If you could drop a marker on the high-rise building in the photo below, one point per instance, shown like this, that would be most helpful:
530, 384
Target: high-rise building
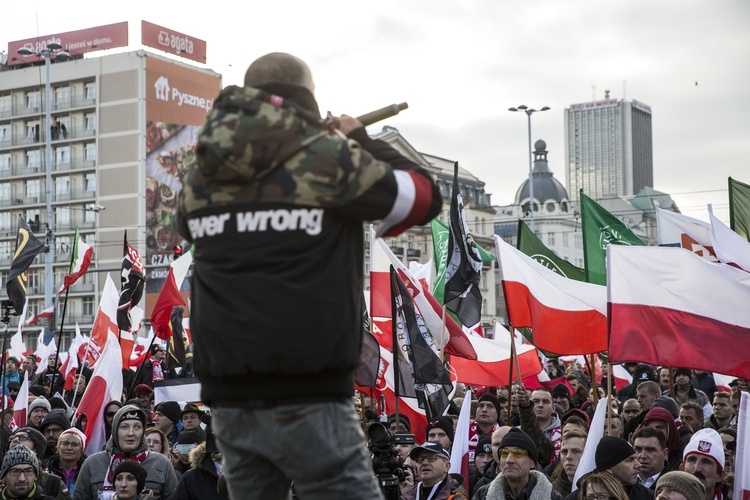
608, 148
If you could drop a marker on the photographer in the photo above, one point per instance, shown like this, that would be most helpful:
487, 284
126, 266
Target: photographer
433, 464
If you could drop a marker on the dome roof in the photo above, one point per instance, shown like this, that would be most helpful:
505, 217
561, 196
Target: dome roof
546, 187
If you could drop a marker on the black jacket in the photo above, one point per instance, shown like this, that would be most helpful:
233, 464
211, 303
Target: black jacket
200, 482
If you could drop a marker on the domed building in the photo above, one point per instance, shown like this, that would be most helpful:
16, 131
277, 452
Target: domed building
550, 196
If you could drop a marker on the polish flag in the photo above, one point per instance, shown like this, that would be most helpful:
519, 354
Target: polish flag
17, 345
170, 296
669, 307
742, 451
460, 449
730, 247
722, 382
621, 376
492, 365
21, 406
105, 323
566, 316
140, 350
46, 313
105, 386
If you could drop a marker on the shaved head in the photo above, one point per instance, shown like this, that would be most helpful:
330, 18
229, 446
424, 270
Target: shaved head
279, 67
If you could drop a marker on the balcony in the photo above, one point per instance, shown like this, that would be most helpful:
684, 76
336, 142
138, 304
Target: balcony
74, 195
413, 252
23, 140
20, 109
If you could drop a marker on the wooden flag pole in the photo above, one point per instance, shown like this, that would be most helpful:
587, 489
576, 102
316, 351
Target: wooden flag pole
514, 354
594, 385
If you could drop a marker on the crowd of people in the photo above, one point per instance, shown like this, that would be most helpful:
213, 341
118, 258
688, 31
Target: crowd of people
654, 445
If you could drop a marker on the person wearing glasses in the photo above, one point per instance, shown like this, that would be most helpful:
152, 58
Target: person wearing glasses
19, 471
34, 440
518, 478
66, 463
433, 464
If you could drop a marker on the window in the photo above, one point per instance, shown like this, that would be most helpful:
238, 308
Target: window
89, 214
5, 103
34, 283
4, 191
6, 226
5, 132
32, 100
550, 239
64, 245
33, 189
5, 160
32, 216
89, 91
32, 130
33, 159
89, 152
62, 155
62, 96
565, 239
89, 307
62, 216
6, 249
90, 182
62, 185
90, 121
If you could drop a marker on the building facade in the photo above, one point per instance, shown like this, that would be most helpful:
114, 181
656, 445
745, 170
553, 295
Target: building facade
608, 148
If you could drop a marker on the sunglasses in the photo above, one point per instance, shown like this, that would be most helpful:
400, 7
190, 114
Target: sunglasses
516, 452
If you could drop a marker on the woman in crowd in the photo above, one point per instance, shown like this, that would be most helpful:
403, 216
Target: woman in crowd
67, 462
130, 479
156, 441
602, 486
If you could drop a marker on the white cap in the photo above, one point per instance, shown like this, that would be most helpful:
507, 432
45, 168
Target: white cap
706, 442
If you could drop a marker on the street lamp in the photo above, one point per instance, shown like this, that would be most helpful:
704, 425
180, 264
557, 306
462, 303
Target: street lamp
529, 112
52, 50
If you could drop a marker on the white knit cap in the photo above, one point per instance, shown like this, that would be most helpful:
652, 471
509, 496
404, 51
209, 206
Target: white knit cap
706, 442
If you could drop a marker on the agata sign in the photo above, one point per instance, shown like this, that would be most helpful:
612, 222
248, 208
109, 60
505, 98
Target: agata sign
174, 42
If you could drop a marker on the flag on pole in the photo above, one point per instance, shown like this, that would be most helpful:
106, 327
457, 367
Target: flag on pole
169, 297
27, 248
105, 322
440, 237
677, 230
80, 259
460, 448
730, 247
176, 352
70, 368
669, 307
742, 450
739, 208
105, 386
21, 405
369, 356
431, 380
600, 228
132, 281
566, 316
596, 432
17, 345
46, 313
464, 264
531, 245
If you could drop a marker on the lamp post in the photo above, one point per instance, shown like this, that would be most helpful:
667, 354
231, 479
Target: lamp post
50, 51
529, 112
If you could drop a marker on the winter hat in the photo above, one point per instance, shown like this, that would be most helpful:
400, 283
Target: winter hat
644, 372
706, 442
38, 390
683, 371
492, 399
444, 423
40, 442
19, 455
403, 419
484, 445
40, 402
170, 409
134, 468
659, 413
143, 389
58, 403
611, 451
129, 412
432, 447
561, 390
668, 404
156, 348
576, 412
55, 417
682, 482
516, 437
75, 432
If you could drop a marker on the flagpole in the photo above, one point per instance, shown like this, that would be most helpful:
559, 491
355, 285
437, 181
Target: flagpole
394, 345
671, 384
510, 376
514, 354
609, 394
59, 339
6, 305
594, 385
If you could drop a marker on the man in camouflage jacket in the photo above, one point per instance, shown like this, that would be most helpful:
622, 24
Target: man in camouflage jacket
275, 204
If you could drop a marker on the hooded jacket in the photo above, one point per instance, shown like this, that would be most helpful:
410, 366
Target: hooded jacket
160, 476
201, 481
274, 204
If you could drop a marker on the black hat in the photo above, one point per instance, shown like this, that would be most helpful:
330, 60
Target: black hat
170, 409
432, 447
129, 412
683, 371
156, 348
611, 451
192, 408
134, 468
444, 423
644, 372
484, 445
492, 399
403, 419
561, 390
516, 437
40, 442
55, 417
668, 404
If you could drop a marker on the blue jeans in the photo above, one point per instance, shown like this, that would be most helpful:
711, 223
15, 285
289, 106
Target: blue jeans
319, 446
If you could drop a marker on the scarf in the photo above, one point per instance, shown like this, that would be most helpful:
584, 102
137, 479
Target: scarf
115, 461
156, 372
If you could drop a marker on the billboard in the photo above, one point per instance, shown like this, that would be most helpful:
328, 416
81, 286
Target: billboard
177, 102
174, 42
74, 42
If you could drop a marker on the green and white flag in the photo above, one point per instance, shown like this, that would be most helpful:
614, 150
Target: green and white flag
532, 246
739, 208
601, 228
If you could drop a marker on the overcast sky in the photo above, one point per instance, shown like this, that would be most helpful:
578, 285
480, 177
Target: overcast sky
461, 64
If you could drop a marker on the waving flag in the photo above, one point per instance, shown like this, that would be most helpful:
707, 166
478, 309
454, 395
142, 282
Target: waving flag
46, 313
669, 307
739, 208
677, 230
132, 280
464, 264
601, 228
566, 316
17, 345
105, 386
105, 323
169, 297
27, 248
79, 262
460, 448
21, 405
531, 245
730, 247
742, 451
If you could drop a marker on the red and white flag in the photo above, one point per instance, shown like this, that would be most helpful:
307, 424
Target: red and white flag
742, 451
17, 345
70, 366
492, 365
566, 316
621, 376
43, 353
21, 406
730, 247
140, 349
669, 307
169, 297
105, 323
105, 386
722, 382
677, 230
460, 449
80, 260
46, 313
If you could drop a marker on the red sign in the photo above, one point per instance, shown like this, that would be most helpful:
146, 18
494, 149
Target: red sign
73, 42
173, 42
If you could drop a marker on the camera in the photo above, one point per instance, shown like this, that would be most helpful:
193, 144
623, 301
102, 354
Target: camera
386, 463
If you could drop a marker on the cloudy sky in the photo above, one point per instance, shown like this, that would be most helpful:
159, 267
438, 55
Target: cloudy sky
461, 64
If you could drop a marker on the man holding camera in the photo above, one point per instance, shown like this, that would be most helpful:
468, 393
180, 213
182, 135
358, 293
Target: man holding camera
433, 464
275, 202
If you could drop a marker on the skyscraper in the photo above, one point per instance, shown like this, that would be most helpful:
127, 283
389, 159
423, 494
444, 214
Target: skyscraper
608, 148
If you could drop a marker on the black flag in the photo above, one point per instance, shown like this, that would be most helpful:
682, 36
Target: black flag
176, 353
27, 248
132, 281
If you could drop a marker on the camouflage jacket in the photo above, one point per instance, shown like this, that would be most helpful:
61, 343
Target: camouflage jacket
275, 205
